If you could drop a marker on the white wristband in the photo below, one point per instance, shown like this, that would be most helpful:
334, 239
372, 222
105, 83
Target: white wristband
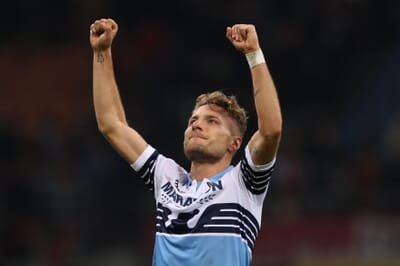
255, 58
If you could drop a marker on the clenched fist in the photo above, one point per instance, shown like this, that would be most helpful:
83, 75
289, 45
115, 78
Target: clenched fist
243, 37
102, 33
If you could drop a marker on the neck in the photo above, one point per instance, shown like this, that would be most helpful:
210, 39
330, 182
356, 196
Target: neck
199, 171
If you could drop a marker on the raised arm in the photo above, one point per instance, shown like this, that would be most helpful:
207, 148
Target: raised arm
264, 143
108, 107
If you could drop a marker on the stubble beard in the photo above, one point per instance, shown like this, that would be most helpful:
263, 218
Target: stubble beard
200, 154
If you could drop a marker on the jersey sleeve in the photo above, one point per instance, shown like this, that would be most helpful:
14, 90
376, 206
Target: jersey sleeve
255, 177
144, 166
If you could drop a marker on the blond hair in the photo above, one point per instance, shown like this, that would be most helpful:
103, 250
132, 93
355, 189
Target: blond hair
229, 104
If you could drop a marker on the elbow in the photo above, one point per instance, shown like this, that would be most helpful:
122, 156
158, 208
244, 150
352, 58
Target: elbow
106, 129
272, 130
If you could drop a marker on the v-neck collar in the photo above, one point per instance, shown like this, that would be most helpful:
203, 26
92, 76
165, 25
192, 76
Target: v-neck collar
214, 178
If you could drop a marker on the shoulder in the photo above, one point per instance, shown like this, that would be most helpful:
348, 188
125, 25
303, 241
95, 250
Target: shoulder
247, 162
152, 158
255, 177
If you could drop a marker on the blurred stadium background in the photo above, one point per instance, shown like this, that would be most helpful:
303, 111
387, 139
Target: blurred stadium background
66, 198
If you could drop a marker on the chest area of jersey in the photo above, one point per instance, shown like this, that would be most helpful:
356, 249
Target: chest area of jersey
177, 195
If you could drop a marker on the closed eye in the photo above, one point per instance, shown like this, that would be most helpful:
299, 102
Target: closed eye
212, 121
192, 120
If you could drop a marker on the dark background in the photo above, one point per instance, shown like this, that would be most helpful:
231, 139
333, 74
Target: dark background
67, 198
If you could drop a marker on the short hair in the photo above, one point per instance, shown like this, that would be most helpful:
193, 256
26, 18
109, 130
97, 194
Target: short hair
229, 104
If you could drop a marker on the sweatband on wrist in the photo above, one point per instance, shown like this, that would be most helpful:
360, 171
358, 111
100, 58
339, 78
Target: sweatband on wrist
255, 58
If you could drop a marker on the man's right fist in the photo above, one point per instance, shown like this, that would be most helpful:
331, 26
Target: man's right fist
102, 33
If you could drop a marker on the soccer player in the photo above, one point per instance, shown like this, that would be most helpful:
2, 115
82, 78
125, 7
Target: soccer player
210, 215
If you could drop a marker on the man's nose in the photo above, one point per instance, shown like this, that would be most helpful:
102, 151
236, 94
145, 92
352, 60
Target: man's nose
197, 124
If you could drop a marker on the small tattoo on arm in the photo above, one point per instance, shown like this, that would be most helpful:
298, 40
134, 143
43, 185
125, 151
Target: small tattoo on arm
100, 58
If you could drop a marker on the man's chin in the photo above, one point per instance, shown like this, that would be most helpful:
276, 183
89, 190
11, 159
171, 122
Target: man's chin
199, 155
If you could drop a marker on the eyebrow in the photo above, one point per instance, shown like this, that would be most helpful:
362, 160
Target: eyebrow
206, 116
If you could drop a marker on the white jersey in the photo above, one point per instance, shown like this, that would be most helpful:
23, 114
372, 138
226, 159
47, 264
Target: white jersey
213, 222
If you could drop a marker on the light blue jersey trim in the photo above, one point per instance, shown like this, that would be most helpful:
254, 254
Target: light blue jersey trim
219, 175
200, 250
213, 178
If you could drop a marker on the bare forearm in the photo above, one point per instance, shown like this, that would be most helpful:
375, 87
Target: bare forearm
265, 141
266, 101
107, 102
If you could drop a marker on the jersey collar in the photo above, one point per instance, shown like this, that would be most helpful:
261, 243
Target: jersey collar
214, 178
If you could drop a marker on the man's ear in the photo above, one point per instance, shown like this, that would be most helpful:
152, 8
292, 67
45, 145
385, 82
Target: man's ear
235, 144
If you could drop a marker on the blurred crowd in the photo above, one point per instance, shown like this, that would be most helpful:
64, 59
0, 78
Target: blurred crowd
67, 198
